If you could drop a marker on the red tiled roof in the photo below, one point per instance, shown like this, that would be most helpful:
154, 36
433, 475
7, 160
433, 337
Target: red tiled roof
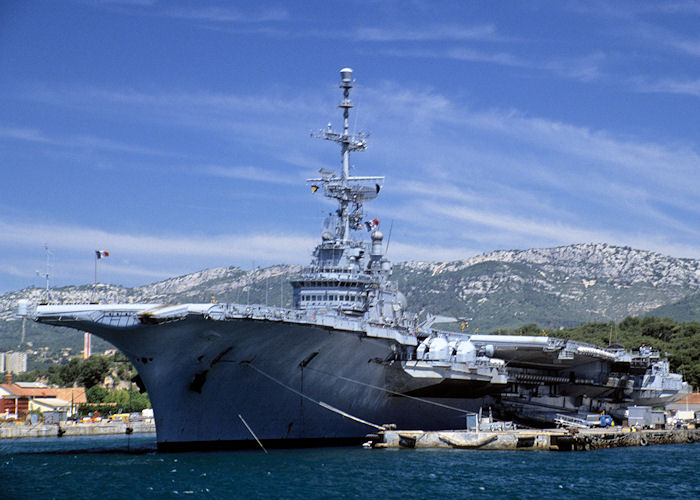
76, 393
72, 394
37, 392
691, 399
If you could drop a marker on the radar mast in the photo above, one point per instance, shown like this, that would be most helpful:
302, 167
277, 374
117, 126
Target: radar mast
348, 275
350, 191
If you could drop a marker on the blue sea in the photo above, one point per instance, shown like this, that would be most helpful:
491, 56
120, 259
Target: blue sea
105, 467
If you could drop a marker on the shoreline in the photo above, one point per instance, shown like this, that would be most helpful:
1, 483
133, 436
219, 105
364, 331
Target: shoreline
10, 431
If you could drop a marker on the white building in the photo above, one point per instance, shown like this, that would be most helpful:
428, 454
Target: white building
13, 362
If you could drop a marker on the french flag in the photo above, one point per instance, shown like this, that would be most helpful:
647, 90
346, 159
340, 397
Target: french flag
372, 224
101, 254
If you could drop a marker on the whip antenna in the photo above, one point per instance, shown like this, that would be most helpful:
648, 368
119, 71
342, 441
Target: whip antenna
388, 240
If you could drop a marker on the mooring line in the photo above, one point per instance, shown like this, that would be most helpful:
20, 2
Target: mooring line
427, 401
320, 403
251, 431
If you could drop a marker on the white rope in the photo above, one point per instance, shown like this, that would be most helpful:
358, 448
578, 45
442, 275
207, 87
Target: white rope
427, 401
251, 431
320, 403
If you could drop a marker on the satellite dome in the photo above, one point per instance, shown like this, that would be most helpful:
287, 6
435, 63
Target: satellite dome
377, 235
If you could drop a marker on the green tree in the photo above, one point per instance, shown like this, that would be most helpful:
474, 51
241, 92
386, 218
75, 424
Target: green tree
96, 394
65, 375
93, 371
530, 329
86, 372
128, 401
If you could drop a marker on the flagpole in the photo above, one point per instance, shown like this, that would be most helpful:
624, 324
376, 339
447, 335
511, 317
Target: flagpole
99, 254
94, 287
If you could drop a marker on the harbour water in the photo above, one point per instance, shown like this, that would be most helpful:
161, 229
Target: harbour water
129, 467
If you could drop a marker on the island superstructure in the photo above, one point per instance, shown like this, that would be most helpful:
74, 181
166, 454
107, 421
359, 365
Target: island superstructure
347, 357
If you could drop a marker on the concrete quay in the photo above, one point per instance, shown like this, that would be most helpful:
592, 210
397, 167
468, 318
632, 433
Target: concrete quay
532, 439
9, 431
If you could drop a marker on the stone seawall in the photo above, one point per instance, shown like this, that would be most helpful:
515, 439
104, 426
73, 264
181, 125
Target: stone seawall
532, 439
10, 431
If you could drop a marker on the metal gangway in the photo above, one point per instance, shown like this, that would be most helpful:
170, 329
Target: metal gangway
569, 422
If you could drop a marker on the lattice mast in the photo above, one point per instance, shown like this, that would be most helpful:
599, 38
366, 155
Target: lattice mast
350, 191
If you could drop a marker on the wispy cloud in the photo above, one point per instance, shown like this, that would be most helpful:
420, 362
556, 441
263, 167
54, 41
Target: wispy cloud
197, 107
222, 102
582, 68
227, 15
660, 36
499, 228
542, 168
658, 41
155, 257
632, 9
13, 270
668, 86
208, 14
76, 238
249, 173
461, 54
75, 141
668, 7
136, 3
426, 33
658, 162
643, 25
420, 113
551, 230
435, 112
586, 68
403, 251
251, 119
76, 269
690, 46
26, 134
486, 167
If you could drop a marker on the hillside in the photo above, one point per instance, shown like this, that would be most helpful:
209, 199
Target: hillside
553, 287
686, 309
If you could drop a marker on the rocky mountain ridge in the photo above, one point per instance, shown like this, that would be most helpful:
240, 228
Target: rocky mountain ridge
588, 261
561, 286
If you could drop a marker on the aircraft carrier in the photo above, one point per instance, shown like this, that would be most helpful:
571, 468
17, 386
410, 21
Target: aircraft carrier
348, 358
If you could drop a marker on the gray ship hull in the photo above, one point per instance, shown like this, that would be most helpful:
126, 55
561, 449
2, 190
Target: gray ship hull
202, 374
304, 378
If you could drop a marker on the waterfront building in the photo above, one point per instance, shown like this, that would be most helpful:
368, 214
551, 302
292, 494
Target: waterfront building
13, 362
19, 398
689, 403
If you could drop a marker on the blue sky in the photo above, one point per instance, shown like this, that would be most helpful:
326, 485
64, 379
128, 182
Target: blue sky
176, 134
